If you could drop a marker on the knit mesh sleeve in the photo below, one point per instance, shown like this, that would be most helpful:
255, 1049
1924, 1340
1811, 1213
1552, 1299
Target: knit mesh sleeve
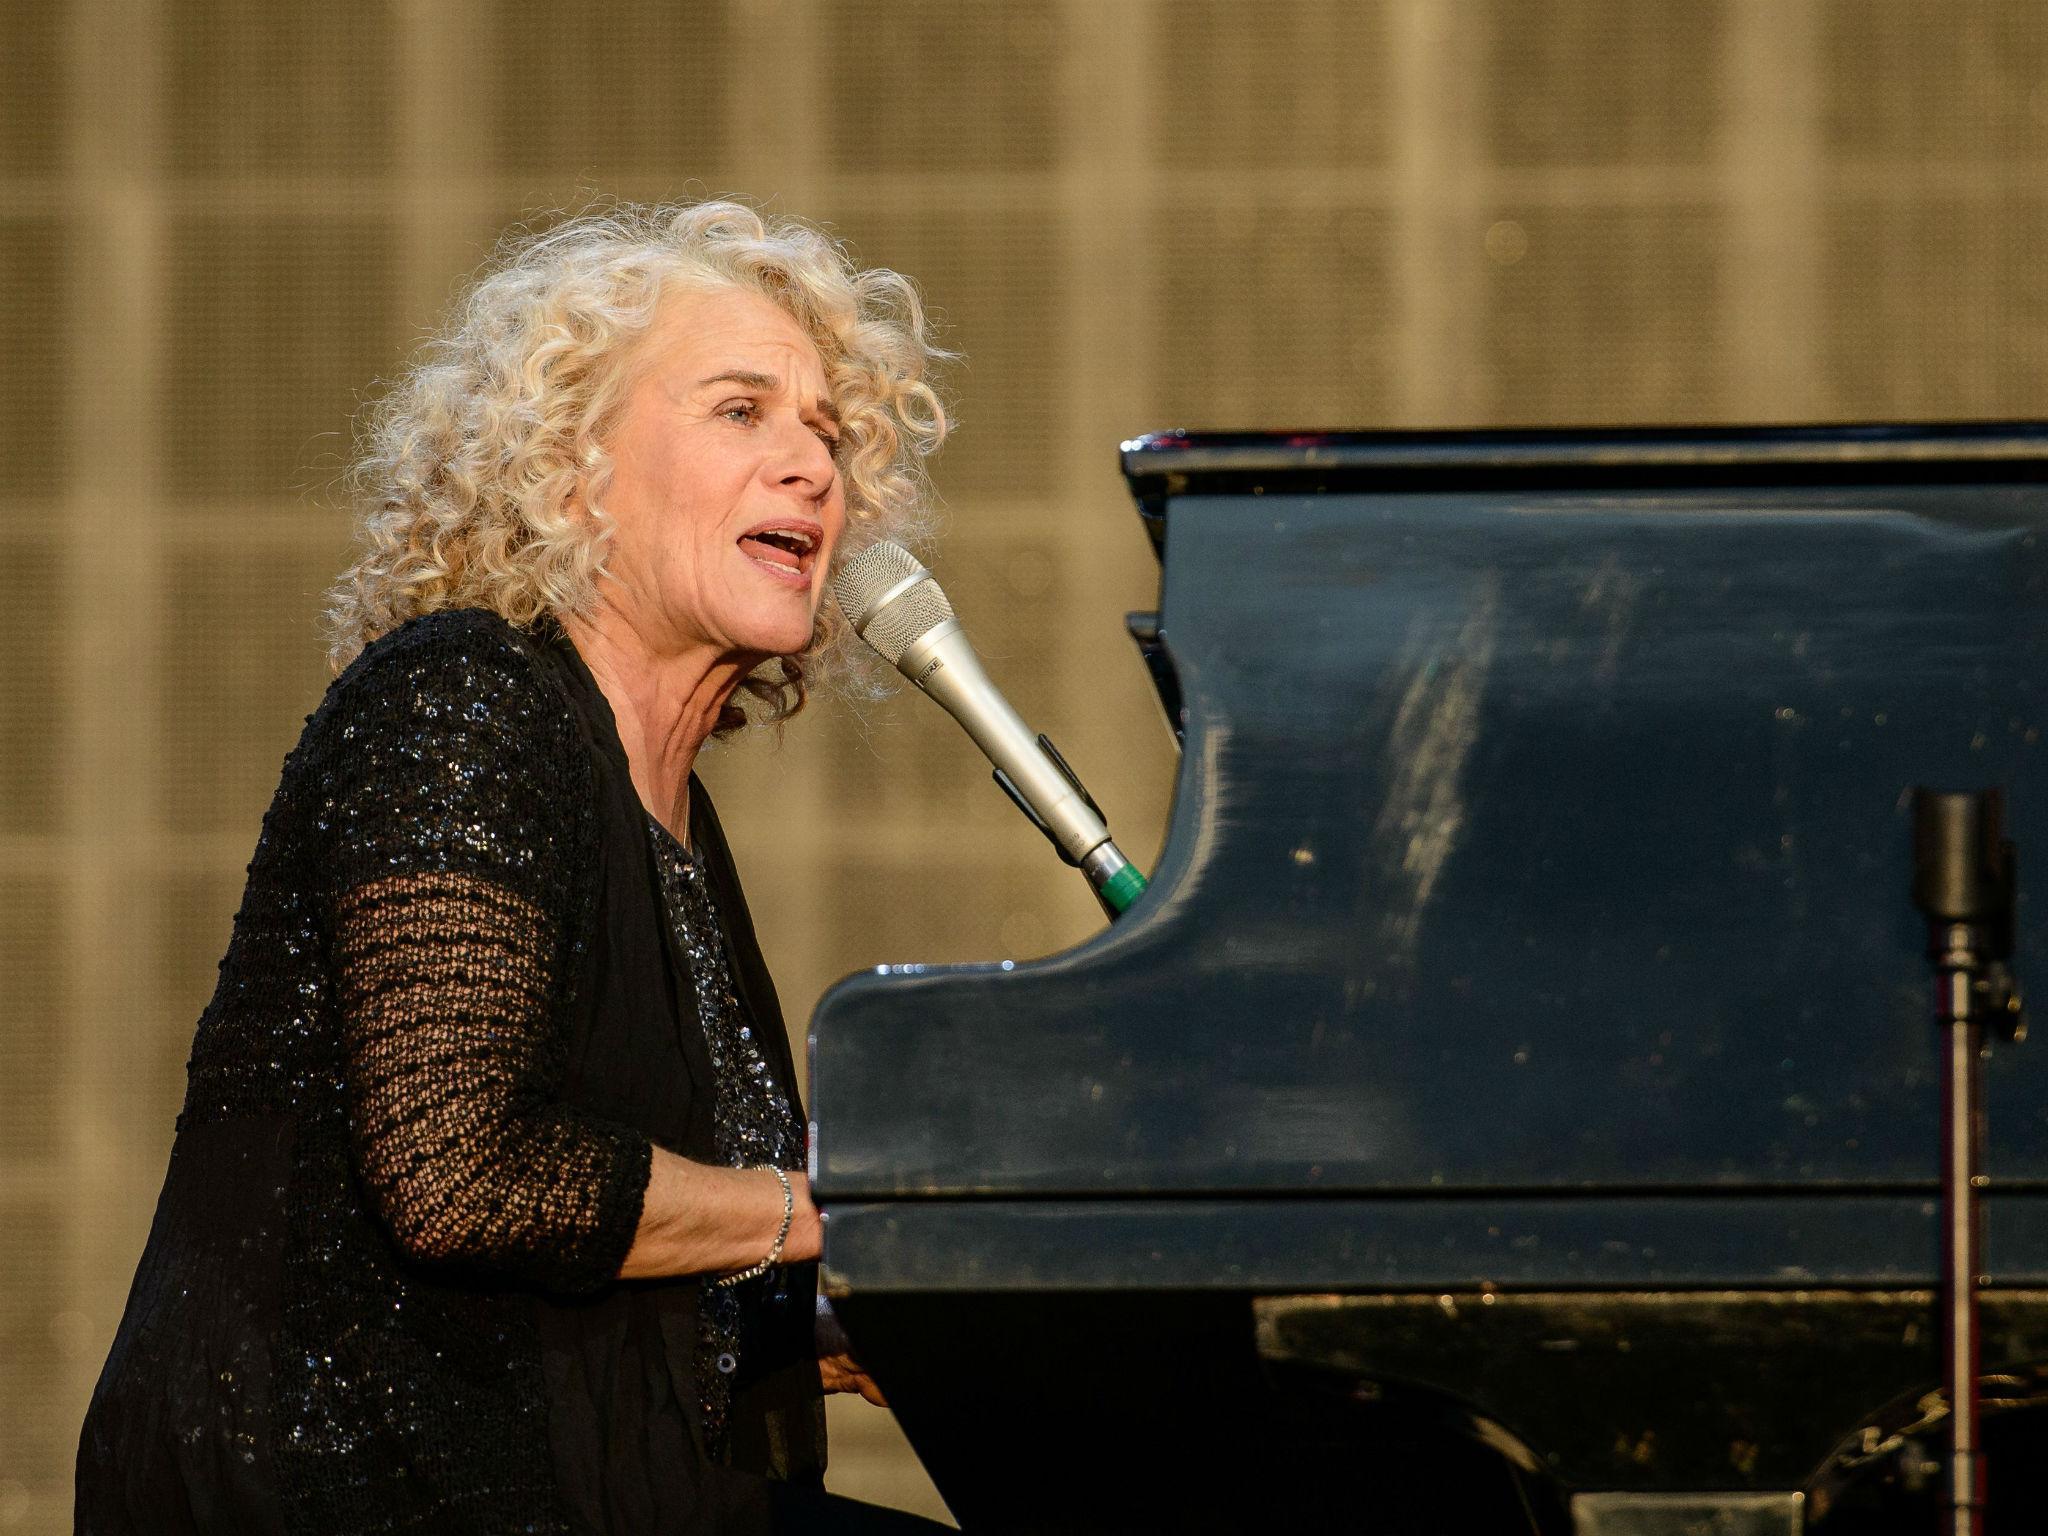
458, 807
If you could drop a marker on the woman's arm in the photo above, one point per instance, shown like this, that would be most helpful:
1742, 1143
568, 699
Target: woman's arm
444, 993
455, 788
459, 1139
697, 1219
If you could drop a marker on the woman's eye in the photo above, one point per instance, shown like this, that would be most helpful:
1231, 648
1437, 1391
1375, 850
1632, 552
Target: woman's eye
739, 410
832, 442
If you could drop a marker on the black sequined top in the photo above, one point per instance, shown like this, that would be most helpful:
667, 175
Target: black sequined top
379, 1292
755, 1123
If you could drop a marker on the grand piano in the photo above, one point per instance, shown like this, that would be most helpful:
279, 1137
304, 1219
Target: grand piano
1513, 1105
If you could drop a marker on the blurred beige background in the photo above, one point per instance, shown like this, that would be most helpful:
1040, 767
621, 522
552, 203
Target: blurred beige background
222, 221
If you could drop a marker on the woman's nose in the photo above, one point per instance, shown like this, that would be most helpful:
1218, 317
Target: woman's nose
806, 460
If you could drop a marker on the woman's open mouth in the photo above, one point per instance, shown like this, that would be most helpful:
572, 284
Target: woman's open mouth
784, 549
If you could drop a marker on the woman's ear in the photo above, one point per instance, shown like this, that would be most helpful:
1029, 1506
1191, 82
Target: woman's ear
576, 505
583, 506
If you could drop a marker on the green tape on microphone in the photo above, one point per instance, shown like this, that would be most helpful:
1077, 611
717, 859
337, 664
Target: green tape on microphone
1123, 888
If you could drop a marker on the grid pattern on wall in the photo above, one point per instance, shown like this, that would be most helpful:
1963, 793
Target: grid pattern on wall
222, 221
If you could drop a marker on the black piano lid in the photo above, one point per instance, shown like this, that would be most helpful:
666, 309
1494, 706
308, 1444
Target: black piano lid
1161, 465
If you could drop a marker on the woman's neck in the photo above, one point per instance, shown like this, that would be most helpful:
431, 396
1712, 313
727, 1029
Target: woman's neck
666, 703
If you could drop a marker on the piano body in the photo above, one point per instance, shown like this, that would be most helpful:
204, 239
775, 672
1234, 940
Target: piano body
1513, 1105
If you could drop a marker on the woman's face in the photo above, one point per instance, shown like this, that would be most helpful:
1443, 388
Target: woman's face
724, 493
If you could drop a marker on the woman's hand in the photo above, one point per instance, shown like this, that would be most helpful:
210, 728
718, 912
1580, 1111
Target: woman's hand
840, 1374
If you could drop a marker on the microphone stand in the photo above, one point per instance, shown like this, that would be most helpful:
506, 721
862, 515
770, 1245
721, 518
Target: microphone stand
1965, 884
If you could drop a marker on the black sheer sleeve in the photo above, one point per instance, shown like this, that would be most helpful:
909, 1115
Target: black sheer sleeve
461, 849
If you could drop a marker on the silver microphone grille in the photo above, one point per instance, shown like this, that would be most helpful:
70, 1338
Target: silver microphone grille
889, 598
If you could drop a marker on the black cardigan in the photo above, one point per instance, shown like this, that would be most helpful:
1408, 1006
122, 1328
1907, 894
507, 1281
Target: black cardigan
379, 1291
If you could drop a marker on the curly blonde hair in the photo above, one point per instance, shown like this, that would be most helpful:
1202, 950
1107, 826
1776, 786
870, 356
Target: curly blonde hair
467, 469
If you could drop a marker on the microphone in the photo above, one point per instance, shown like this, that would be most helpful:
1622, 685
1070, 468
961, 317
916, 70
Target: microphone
892, 603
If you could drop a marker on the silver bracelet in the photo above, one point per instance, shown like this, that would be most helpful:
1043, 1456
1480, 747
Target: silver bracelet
774, 1254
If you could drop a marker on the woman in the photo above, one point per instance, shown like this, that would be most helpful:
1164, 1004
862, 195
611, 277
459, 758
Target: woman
486, 1210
